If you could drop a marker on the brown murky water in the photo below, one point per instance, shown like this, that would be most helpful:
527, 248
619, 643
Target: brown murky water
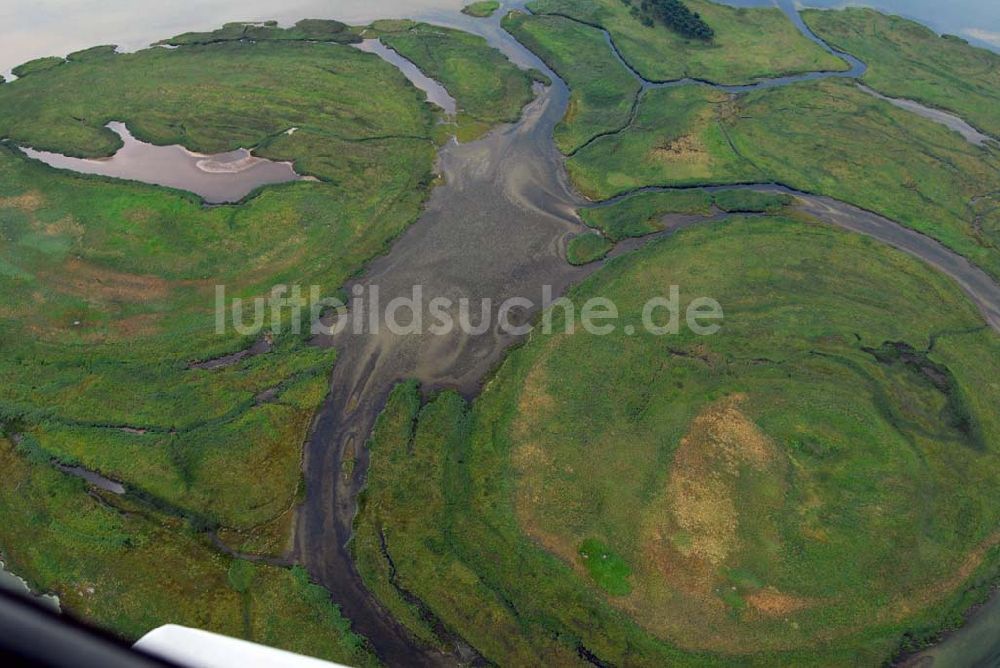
217, 179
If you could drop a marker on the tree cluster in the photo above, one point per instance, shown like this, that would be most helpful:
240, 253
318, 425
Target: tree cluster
675, 15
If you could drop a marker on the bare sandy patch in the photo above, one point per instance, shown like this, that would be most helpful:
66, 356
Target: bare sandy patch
774, 603
30, 202
83, 279
685, 149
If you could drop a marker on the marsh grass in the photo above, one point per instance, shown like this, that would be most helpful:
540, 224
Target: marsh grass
908, 60
488, 88
602, 92
833, 462
586, 248
749, 44
130, 570
482, 9
823, 137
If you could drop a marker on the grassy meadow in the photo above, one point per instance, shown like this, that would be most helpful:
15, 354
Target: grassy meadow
810, 486
749, 44
481, 9
587, 247
644, 213
824, 137
125, 567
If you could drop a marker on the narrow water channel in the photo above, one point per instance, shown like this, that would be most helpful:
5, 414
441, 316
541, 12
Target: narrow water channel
436, 93
855, 70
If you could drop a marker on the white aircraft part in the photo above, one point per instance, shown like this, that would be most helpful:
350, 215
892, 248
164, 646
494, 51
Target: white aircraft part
195, 648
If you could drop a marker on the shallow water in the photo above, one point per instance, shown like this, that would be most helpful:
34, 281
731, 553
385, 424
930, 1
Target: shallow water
93, 478
971, 134
11, 582
975, 645
217, 179
436, 93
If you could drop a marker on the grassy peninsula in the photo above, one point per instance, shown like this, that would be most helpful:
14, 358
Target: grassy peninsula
823, 418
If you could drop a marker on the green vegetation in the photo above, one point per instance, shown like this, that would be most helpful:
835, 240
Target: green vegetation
218, 97
749, 44
124, 567
825, 137
908, 60
644, 213
481, 9
603, 93
489, 89
413, 519
786, 492
319, 30
37, 65
108, 307
109, 284
750, 201
103, 51
586, 248
675, 15
609, 570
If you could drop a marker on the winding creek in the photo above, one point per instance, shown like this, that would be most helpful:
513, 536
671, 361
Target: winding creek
855, 70
496, 228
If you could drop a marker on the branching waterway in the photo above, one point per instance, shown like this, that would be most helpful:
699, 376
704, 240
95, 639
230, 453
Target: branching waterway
496, 228
855, 70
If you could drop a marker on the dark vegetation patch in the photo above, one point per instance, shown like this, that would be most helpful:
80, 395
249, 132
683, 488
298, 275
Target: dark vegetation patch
586, 248
314, 30
674, 14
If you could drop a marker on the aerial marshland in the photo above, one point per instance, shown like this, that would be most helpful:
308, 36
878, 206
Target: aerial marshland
811, 485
